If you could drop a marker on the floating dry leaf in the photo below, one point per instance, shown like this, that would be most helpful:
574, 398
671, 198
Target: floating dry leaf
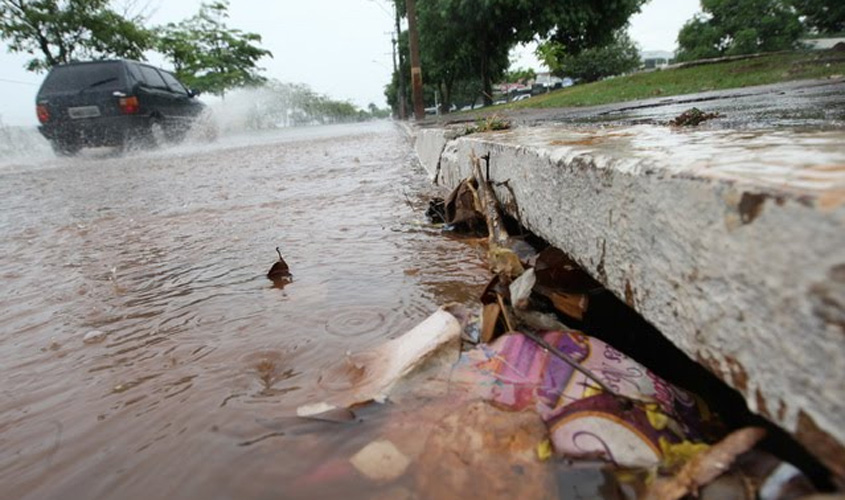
279, 274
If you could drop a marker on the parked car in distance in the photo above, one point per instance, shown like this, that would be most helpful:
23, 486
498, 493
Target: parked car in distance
112, 103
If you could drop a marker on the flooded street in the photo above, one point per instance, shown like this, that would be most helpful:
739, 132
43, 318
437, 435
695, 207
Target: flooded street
192, 392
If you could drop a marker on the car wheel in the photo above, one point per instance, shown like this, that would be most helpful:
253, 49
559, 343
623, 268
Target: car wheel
64, 147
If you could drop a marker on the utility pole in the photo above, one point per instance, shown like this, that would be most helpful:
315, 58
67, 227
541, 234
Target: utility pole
400, 108
416, 70
403, 110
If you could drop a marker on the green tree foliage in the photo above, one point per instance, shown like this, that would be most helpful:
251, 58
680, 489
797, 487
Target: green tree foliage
822, 16
617, 57
733, 27
62, 31
579, 26
469, 40
208, 55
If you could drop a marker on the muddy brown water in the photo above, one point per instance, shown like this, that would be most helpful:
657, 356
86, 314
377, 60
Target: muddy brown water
192, 392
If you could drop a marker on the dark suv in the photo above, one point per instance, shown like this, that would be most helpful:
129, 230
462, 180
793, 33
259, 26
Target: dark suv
112, 103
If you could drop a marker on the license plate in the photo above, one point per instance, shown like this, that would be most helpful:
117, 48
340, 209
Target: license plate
83, 112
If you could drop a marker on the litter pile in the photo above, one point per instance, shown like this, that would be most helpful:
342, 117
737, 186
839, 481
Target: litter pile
524, 391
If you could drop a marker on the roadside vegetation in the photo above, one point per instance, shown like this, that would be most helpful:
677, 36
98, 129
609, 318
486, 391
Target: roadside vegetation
464, 45
588, 42
761, 70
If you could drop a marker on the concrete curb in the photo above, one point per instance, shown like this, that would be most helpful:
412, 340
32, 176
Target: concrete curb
731, 243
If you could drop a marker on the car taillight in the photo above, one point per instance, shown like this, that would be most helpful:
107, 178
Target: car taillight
43, 113
129, 105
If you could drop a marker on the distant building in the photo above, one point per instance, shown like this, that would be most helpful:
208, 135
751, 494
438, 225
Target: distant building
653, 59
547, 79
550, 81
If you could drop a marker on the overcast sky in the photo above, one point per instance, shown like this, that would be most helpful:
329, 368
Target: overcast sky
340, 48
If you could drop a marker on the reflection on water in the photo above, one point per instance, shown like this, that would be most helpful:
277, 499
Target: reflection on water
204, 361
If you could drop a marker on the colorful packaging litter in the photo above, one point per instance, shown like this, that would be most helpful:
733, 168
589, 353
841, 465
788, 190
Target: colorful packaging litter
583, 421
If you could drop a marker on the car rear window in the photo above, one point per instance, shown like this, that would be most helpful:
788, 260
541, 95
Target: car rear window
104, 75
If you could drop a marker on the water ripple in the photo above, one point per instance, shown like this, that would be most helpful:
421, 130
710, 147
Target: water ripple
166, 254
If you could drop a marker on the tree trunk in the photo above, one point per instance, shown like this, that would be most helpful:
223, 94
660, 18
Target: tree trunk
486, 79
446, 92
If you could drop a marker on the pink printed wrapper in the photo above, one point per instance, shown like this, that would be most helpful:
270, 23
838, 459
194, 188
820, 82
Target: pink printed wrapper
515, 373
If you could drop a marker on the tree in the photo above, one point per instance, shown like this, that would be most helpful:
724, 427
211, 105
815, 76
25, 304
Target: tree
464, 39
822, 16
62, 31
619, 56
208, 55
733, 27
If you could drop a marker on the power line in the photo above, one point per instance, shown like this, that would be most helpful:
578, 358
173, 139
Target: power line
18, 82
382, 7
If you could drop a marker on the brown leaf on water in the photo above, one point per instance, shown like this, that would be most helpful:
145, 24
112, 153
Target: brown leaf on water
706, 466
279, 274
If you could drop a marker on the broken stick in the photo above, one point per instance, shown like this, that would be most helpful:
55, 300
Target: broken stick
500, 243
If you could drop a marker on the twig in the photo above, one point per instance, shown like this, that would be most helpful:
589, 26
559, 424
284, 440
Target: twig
571, 362
261, 438
499, 238
505, 313
498, 234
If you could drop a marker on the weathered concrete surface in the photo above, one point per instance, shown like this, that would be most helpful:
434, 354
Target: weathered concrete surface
731, 243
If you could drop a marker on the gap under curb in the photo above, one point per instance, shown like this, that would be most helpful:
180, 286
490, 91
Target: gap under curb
732, 243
